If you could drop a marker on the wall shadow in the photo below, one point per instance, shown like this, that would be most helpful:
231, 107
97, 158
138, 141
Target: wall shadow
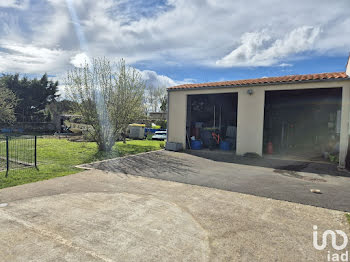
277, 164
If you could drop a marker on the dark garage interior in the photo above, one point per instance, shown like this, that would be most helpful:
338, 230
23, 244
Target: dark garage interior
303, 124
212, 121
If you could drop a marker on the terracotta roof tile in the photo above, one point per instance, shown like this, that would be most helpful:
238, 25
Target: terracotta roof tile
267, 80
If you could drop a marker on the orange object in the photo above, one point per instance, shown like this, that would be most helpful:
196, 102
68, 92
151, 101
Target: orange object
216, 137
269, 148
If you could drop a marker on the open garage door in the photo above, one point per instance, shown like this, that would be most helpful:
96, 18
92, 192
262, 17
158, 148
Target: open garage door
212, 121
303, 124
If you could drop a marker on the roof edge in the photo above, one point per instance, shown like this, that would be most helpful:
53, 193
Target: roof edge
175, 88
279, 80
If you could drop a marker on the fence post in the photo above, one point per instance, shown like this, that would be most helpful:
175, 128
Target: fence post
7, 156
35, 153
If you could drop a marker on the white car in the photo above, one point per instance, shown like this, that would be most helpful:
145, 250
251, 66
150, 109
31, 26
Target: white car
159, 135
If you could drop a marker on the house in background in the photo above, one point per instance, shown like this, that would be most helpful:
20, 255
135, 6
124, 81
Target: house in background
158, 115
298, 115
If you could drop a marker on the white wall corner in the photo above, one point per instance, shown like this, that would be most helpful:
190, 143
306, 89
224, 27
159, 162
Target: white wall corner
347, 69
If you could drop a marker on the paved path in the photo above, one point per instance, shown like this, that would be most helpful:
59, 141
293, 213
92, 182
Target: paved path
99, 216
260, 181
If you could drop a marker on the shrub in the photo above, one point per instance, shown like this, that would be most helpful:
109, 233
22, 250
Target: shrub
87, 136
334, 158
161, 123
76, 120
161, 144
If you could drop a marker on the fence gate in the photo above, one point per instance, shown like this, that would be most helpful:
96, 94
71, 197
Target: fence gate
17, 152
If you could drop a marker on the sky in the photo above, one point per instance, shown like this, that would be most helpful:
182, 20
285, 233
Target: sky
173, 42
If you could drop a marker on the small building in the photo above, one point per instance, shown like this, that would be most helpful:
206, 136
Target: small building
158, 115
304, 115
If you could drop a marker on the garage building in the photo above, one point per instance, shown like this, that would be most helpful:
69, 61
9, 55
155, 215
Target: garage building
298, 115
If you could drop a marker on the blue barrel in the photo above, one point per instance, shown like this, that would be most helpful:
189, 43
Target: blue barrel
196, 144
225, 145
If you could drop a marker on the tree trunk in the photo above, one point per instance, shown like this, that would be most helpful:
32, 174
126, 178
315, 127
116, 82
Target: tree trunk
124, 136
105, 146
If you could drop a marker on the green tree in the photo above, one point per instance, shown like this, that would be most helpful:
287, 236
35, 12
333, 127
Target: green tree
33, 95
109, 97
8, 101
164, 103
66, 106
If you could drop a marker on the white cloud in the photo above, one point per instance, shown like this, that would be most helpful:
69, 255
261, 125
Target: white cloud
30, 59
202, 32
80, 60
189, 33
260, 49
23, 4
153, 79
285, 65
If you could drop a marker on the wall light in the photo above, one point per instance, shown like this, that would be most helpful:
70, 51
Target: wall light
250, 92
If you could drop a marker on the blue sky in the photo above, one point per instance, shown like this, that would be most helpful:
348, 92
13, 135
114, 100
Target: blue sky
177, 41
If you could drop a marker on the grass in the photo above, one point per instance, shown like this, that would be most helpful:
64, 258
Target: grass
58, 157
348, 217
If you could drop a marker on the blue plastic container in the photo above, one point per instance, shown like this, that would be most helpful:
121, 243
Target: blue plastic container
196, 144
225, 145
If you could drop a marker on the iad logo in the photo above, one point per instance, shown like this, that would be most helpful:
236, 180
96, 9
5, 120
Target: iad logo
333, 235
333, 238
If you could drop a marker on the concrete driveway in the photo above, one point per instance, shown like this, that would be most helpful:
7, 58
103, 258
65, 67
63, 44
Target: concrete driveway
100, 216
260, 181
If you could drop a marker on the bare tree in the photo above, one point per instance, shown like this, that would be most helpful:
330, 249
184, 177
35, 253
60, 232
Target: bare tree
127, 97
8, 102
109, 98
161, 98
151, 99
155, 95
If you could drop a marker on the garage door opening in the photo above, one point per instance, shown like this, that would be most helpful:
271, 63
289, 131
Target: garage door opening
212, 121
303, 124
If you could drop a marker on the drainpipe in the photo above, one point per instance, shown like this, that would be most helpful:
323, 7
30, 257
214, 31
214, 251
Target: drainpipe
347, 68
344, 126
167, 117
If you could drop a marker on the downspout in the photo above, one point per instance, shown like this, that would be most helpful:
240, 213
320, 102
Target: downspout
343, 153
167, 117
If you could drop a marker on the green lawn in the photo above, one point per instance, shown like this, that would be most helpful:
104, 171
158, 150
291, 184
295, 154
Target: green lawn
58, 157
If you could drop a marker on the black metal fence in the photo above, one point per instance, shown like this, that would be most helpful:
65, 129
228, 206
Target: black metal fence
17, 152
